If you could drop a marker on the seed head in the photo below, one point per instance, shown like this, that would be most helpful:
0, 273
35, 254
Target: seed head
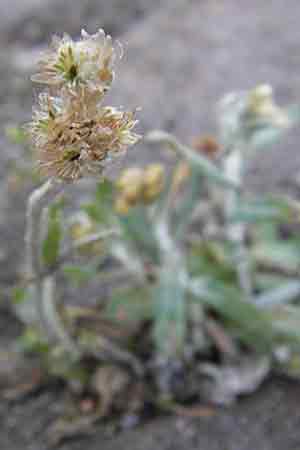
88, 61
72, 132
72, 139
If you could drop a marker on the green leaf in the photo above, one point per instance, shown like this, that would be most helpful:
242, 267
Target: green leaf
170, 315
210, 258
104, 192
101, 209
270, 209
132, 304
286, 323
189, 202
254, 214
264, 281
264, 137
137, 228
79, 275
285, 293
51, 244
282, 254
246, 321
93, 211
19, 295
31, 341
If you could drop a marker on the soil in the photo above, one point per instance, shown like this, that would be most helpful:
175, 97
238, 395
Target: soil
181, 57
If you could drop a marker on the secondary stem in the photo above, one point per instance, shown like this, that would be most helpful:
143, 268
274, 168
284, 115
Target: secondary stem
236, 231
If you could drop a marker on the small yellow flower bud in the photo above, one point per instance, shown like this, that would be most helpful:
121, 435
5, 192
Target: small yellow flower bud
129, 176
261, 105
130, 184
122, 206
153, 182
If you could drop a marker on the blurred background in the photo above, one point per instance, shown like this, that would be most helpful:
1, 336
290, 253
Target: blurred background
181, 56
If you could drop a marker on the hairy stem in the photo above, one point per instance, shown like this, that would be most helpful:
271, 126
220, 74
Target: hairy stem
52, 319
38, 201
236, 231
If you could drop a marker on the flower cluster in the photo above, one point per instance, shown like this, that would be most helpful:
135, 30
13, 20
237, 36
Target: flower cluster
72, 132
137, 185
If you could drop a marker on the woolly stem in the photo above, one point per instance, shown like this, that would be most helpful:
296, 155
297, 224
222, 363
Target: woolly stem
43, 291
236, 231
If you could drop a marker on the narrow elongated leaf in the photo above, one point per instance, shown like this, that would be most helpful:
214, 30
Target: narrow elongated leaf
286, 323
138, 229
132, 304
51, 244
268, 135
272, 209
279, 253
80, 274
169, 313
213, 259
100, 209
248, 322
188, 204
285, 293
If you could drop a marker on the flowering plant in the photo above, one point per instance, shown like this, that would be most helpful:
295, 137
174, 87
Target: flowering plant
187, 250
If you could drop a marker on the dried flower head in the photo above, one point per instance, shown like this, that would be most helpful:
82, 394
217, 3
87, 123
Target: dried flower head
72, 137
88, 61
72, 132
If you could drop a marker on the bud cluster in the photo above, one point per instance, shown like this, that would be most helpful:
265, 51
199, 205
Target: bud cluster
72, 132
137, 185
261, 107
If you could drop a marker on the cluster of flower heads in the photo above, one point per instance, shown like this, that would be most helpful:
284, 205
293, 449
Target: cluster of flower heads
72, 132
139, 186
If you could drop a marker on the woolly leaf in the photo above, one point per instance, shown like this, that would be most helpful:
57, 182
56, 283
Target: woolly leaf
79, 275
100, 209
244, 319
170, 318
51, 244
19, 295
130, 305
137, 229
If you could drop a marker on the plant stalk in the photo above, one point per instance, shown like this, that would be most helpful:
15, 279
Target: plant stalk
42, 290
233, 169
